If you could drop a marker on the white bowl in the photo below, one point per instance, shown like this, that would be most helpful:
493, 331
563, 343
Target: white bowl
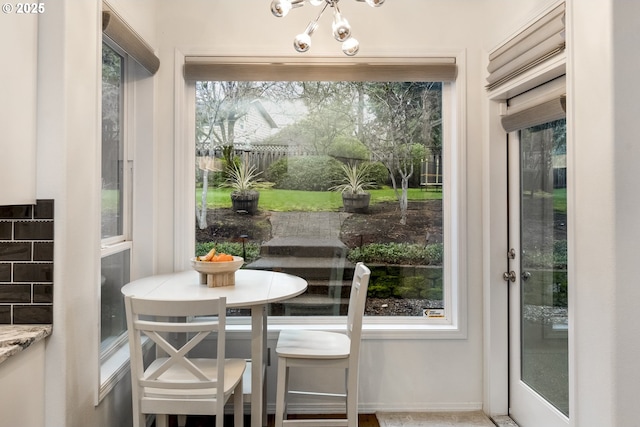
220, 273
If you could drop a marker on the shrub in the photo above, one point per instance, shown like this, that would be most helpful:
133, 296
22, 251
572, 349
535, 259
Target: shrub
382, 287
559, 289
277, 171
547, 257
348, 149
217, 178
560, 253
309, 173
413, 287
378, 173
232, 248
398, 253
389, 283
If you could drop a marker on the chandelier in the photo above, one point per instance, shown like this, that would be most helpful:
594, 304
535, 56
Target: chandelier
341, 28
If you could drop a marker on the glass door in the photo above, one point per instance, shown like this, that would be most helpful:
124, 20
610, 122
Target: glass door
539, 363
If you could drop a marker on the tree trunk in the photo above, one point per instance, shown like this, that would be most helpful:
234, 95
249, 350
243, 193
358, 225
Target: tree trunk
404, 200
202, 220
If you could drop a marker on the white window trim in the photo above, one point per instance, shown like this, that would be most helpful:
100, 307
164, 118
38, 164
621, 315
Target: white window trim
117, 366
113, 363
454, 326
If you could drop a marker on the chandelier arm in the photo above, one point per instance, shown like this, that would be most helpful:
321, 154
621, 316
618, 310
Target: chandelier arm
322, 11
335, 5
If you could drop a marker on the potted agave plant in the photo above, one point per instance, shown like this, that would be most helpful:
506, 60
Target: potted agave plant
354, 184
244, 197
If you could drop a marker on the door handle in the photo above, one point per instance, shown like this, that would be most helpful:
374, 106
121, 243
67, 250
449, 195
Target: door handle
509, 276
525, 275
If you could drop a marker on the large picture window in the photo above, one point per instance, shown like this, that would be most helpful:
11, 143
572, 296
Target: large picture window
292, 137
312, 176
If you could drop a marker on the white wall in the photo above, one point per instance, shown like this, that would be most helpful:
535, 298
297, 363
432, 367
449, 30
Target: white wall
22, 391
68, 159
139, 16
602, 104
68, 155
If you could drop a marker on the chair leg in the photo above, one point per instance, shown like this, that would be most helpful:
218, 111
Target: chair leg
281, 390
182, 420
162, 420
352, 399
139, 420
238, 406
220, 416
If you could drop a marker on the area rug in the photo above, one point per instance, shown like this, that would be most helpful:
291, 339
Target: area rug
434, 419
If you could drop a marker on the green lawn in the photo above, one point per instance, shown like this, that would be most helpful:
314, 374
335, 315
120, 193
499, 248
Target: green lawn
560, 200
110, 200
310, 201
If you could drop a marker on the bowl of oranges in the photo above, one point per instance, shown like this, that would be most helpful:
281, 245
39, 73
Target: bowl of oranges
217, 268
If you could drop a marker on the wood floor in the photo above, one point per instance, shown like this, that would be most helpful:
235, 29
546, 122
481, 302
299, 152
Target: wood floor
365, 420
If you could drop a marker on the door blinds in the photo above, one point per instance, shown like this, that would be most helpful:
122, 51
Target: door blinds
221, 69
540, 105
541, 40
118, 31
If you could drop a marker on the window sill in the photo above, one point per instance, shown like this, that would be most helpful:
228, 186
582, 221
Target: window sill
398, 330
114, 368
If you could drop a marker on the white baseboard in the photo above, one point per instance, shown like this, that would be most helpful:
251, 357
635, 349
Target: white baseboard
371, 408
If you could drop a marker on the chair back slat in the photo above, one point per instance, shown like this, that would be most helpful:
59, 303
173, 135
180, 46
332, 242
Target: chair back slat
164, 322
211, 326
357, 301
201, 385
199, 307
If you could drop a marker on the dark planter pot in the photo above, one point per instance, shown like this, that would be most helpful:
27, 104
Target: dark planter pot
357, 203
245, 202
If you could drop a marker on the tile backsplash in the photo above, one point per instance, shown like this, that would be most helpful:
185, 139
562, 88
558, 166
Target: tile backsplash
26, 263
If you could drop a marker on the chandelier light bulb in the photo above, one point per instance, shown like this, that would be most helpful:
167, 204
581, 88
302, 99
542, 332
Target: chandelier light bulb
350, 47
302, 42
341, 27
280, 8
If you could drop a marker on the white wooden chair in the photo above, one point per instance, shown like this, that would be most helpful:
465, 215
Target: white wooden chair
323, 349
177, 384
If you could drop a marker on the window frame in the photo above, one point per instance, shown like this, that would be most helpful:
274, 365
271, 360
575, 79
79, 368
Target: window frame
453, 326
113, 359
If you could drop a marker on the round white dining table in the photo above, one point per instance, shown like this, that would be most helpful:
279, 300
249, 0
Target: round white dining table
253, 289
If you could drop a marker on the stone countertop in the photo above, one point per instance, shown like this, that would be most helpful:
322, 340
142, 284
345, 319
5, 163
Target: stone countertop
15, 338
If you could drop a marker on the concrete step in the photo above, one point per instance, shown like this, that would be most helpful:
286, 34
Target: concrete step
341, 288
322, 262
322, 298
304, 247
314, 305
306, 267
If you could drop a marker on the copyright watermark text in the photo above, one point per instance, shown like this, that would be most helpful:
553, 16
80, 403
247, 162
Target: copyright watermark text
23, 8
